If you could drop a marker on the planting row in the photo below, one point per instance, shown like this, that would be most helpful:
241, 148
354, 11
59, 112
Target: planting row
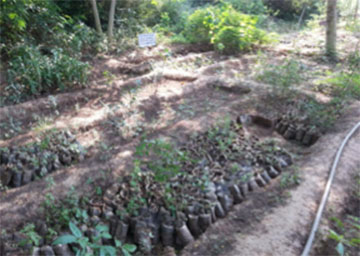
21, 165
173, 194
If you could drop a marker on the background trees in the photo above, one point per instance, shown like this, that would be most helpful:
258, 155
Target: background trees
35, 34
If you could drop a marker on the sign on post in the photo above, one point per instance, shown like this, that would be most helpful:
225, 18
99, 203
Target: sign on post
146, 40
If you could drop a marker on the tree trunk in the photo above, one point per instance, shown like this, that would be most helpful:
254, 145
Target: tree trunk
96, 16
331, 28
111, 20
356, 10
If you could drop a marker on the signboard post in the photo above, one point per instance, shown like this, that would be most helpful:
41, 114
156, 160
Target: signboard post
146, 40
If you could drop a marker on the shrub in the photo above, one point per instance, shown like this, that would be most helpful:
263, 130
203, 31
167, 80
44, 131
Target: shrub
224, 27
347, 82
200, 24
282, 77
32, 73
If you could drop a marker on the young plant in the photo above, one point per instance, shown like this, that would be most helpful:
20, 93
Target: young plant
84, 243
348, 235
126, 249
32, 237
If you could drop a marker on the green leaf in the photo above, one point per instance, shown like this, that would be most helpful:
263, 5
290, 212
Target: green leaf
65, 239
338, 222
109, 250
102, 228
75, 230
106, 236
125, 252
12, 15
21, 23
102, 251
355, 241
118, 243
335, 236
130, 247
340, 249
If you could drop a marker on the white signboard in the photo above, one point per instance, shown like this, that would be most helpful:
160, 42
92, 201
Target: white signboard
146, 40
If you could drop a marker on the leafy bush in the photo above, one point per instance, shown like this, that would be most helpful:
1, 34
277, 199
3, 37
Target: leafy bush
200, 24
224, 27
347, 82
32, 73
174, 12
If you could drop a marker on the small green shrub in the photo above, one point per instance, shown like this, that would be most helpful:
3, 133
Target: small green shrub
32, 237
32, 73
165, 161
347, 82
224, 27
282, 77
200, 24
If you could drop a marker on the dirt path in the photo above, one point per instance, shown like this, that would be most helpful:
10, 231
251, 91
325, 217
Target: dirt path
284, 231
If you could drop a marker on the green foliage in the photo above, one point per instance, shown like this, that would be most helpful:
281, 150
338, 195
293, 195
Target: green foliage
292, 9
85, 244
31, 73
224, 27
16, 15
348, 80
59, 213
282, 77
173, 15
126, 249
256, 7
32, 237
348, 234
289, 179
164, 159
200, 24
322, 115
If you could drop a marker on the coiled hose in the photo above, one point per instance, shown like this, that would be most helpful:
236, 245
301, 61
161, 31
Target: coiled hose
327, 191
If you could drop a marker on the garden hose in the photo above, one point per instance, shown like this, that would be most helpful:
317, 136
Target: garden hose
327, 191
